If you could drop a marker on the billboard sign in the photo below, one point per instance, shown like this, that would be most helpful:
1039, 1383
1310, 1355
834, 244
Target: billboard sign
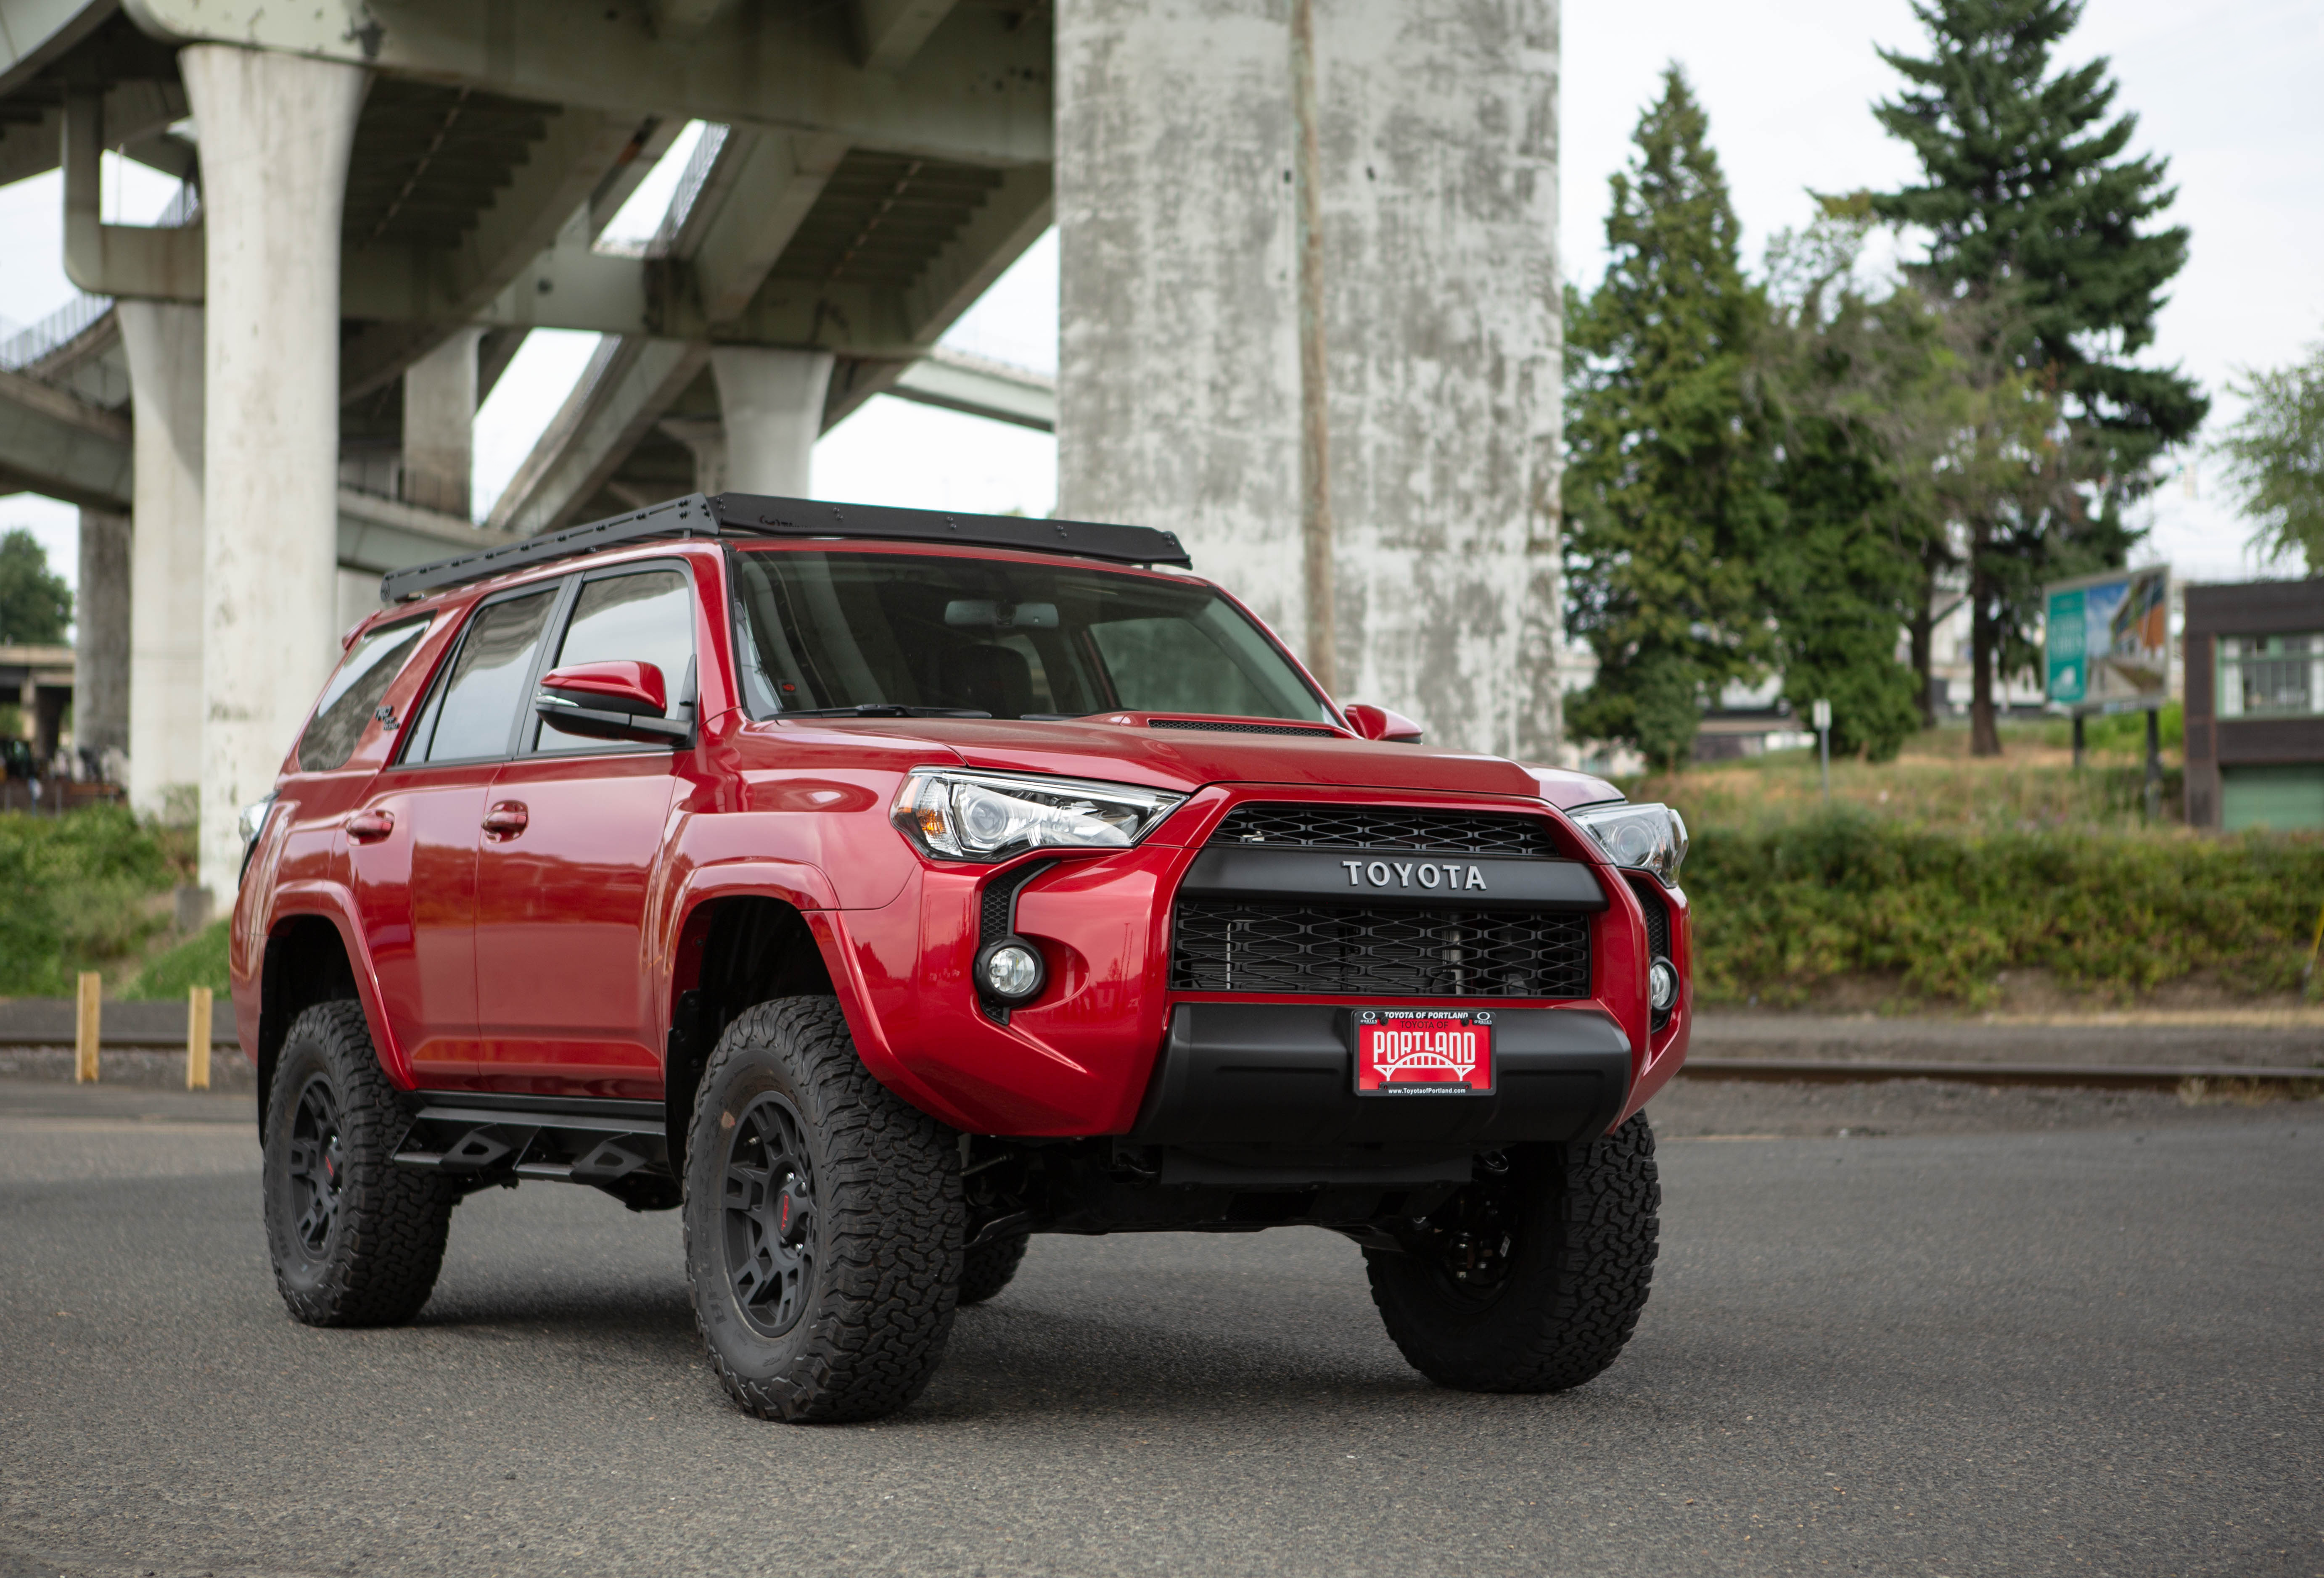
2107, 640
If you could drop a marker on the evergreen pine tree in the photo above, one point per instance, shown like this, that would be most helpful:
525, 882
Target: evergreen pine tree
1666, 494
2028, 197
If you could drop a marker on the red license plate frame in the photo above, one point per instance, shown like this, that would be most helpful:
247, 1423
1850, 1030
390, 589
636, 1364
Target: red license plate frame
1401, 1052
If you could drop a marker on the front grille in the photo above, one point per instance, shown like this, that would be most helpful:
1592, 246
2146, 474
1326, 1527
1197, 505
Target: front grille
1359, 951
1218, 728
1384, 827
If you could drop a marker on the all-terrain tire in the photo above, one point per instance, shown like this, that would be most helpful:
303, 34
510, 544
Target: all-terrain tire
824, 1222
987, 1268
1578, 1224
356, 1240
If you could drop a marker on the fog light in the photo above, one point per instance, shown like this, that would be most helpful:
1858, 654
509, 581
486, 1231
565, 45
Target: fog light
1662, 986
1009, 970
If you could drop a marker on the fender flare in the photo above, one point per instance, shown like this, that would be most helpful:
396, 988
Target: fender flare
333, 903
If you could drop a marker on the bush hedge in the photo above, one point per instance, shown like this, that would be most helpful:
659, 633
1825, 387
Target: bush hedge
79, 893
1783, 908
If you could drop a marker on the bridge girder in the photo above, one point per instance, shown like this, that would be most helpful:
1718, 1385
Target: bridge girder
975, 89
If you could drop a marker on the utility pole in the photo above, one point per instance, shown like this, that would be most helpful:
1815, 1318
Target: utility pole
1314, 430
2078, 742
1821, 713
2154, 764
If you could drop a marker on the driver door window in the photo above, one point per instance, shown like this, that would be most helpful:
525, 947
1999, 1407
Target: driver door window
645, 618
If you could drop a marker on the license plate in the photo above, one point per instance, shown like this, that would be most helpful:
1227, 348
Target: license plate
1424, 1052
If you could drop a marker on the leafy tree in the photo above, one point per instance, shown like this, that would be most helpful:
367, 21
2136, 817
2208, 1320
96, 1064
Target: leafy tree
2275, 458
1843, 373
35, 604
1666, 479
2028, 199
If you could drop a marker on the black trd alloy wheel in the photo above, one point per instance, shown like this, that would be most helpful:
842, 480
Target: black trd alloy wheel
768, 1215
317, 1161
356, 1240
1532, 1278
824, 1222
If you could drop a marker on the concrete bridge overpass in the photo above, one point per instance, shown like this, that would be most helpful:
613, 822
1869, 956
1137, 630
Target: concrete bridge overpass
393, 192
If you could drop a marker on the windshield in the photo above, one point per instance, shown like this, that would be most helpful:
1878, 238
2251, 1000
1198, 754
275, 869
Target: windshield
823, 630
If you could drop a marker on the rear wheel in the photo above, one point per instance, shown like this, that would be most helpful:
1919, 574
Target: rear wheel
987, 1268
824, 1222
1532, 1278
356, 1240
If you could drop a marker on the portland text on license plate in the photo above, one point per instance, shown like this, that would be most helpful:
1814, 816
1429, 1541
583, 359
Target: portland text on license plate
1424, 1052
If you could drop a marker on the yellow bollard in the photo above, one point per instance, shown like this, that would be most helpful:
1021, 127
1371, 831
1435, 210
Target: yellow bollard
197, 1038
88, 1005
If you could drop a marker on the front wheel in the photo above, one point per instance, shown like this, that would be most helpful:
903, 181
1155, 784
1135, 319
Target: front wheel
824, 1222
1532, 1278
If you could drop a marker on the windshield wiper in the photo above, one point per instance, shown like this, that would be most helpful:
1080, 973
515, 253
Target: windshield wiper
881, 709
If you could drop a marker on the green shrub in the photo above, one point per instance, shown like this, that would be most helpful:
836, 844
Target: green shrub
198, 961
1784, 908
81, 896
2120, 731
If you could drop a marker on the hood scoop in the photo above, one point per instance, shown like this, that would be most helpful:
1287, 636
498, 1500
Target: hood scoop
1219, 726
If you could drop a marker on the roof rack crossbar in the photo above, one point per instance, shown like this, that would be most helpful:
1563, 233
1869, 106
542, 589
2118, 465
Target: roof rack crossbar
760, 515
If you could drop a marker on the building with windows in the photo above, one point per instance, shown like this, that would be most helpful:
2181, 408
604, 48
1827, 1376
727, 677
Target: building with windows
2254, 665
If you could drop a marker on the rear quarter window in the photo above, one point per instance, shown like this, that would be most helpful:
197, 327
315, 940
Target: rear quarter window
347, 703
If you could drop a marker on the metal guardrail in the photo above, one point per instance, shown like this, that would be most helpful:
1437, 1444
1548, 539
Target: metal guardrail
29, 346
51, 334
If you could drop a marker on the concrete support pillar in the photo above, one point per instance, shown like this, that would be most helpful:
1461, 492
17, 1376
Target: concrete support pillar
275, 131
163, 343
1178, 383
440, 424
705, 440
101, 641
773, 402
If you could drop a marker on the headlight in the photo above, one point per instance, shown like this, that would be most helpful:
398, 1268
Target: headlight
991, 816
1651, 837
252, 823
253, 819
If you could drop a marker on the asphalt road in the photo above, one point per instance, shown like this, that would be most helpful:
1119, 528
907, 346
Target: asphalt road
2091, 1351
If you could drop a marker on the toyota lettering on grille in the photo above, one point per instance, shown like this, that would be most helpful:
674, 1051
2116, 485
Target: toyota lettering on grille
1425, 874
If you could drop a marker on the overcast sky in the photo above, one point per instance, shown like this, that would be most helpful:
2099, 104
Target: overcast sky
2227, 91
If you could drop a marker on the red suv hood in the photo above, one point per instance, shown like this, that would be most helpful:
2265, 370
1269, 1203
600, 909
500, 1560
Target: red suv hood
1186, 759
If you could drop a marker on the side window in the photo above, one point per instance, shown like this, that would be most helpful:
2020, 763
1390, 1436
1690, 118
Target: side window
474, 710
348, 702
643, 617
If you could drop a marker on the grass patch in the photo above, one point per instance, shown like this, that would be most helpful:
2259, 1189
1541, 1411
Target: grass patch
86, 892
198, 961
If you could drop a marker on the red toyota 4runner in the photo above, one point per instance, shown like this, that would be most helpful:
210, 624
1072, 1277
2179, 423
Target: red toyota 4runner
880, 887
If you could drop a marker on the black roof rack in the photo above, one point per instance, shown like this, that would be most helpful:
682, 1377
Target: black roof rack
757, 515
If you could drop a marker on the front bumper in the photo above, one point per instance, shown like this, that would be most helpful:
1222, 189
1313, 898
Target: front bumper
1276, 1074
1109, 1049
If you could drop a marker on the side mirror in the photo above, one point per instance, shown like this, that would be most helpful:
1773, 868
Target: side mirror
1380, 723
610, 700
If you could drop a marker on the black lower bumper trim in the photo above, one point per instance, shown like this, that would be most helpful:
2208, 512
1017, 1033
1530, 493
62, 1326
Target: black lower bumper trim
1279, 1074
